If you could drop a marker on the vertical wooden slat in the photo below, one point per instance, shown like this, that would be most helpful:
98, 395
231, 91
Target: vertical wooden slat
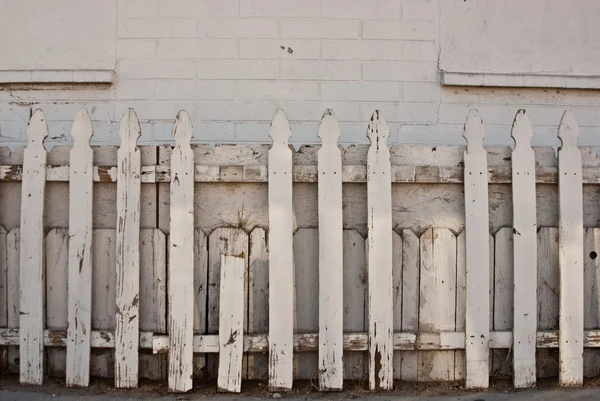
181, 258
502, 300
525, 253
231, 323
57, 277
128, 253
591, 293
281, 268
461, 302
410, 299
570, 255
355, 285
12, 292
331, 243
81, 185
477, 255
379, 221
397, 297
3, 296
437, 300
258, 299
200, 295
31, 303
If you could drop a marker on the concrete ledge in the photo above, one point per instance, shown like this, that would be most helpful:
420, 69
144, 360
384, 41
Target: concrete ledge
520, 80
56, 76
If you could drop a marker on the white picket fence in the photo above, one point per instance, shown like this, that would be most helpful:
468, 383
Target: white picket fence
444, 282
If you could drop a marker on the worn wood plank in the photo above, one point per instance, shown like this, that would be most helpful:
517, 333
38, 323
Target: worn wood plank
181, 258
231, 323
591, 293
81, 186
258, 299
379, 221
57, 262
31, 303
281, 267
331, 243
12, 293
200, 295
547, 297
410, 300
306, 270
502, 305
437, 303
525, 252
3, 296
460, 362
397, 297
477, 254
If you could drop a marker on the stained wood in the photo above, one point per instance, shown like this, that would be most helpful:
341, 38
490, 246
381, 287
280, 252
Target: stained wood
525, 252
258, 299
128, 254
81, 187
181, 258
200, 295
570, 238
12, 293
231, 323
477, 254
437, 304
3, 295
379, 221
281, 268
31, 303
502, 302
410, 300
397, 297
591, 294
355, 291
57, 262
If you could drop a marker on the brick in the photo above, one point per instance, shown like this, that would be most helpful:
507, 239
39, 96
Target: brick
320, 70
157, 28
313, 111
156, 69
319, 28
304, 133
419, 51
420, 134
400, 71
195, 90
361, 9
361, 50
252, 132
153, 110
198, 8
235, 111
420, 10
279, 9
264, 90
204, 132
421, 92
280, 49
58, 111
401, 30
245, 28
407, 113
197, 48
135, 89
136, 48
238, 69
361, 91
138, 8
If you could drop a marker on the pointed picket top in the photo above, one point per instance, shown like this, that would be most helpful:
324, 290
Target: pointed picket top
129, 129
182, 130
378, 130
329, 130
522, 131
474, 131
82, 129
280, 131
37, 129
568, 132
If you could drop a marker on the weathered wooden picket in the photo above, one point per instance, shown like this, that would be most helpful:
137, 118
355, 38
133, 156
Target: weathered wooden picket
290, 302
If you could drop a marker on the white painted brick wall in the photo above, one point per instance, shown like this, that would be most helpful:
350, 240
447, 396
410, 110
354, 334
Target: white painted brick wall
232, 63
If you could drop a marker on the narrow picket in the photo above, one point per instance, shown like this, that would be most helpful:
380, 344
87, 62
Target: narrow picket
570, 237
477, 330
591, 293
281, 267
81, 184
379, 220
12, 292
410, 300
181, 258
128, 253
31, 303
231, 323
200, 295
258, 299
331, 243
524, 253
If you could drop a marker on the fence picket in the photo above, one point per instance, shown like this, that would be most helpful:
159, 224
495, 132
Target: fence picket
128, 253
331, 244
525, 253
591, 293
31, 322
570, 237
379, 220
3, 295
477, 255
258, 299
410, 299
502, 300
81, 185
57, 279
13, 241
231, 323
281, 267
200, 294
181, 258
